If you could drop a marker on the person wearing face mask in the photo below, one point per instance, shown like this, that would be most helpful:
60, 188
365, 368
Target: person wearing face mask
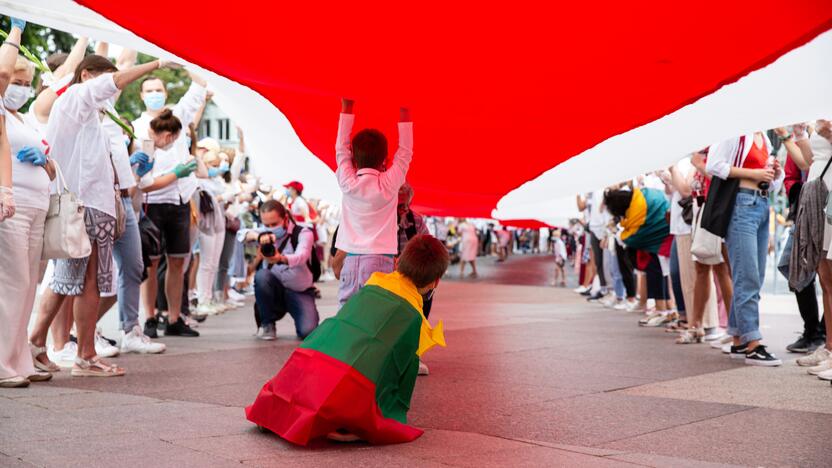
285, 283
301, 210
168, 202
211, 226
21, 236
82, 150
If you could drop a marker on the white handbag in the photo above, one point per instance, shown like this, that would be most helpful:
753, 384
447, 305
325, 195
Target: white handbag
706, 247
65, 232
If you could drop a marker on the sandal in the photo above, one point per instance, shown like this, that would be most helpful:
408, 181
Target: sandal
676, 326
95, 367
41, 360
691, 336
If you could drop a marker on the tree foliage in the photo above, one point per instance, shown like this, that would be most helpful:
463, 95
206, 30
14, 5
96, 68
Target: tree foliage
43, 41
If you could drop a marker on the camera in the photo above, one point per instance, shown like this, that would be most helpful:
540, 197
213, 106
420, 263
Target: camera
266, 245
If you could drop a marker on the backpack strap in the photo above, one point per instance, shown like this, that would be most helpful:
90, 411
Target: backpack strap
411, 231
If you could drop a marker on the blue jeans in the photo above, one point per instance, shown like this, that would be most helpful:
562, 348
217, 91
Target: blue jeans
615, 272
274, 301
357, 270
747, 242
127, 251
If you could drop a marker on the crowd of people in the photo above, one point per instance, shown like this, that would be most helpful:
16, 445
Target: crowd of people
687, 247
98, 211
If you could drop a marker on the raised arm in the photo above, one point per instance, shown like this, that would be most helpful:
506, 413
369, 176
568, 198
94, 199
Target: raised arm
679, 181
123, 78
126, 59
795, 152
8, 53
102, 48
395, 176
47, 97
346, 172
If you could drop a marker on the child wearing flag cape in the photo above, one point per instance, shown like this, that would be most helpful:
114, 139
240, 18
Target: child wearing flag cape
353, 377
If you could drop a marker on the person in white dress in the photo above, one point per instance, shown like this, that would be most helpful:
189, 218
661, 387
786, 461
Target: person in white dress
468, 248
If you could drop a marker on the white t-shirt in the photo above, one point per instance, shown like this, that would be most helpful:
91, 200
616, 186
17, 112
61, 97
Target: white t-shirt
560, 248
300, 210
79, 143
821, 153
30, 182
678, 226
597, 217
164, 162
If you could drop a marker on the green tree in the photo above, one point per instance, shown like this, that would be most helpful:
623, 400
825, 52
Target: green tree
43, 42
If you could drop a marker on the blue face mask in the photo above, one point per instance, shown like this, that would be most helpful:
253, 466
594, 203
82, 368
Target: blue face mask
154, 101
188, 142
223, 166
278, 232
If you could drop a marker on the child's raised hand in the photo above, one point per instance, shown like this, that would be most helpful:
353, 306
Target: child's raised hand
347, 105
404, 115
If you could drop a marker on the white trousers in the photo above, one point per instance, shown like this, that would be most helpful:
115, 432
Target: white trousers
210, 250
21, 245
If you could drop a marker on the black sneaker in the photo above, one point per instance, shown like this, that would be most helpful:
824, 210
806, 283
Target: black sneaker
800, 346
180, 328
596, 297
150, 327
759, 356
738, 352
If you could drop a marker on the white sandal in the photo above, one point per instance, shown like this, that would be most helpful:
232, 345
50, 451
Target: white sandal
48, 366
95, 367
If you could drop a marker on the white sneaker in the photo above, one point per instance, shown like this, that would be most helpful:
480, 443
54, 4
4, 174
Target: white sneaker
137, 342
720, 343
581, 289
825, 375
726, 348
715, 335
235, 296
206, 309
423, 368
232, 304
821, 354
621, 305
103, 348
822, 367
64, 357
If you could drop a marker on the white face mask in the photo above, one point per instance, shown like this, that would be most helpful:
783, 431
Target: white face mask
16, 96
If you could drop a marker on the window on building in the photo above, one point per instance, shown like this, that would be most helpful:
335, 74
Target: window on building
224, 129
206, 128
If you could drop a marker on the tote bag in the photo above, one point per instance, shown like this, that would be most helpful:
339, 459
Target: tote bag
65, 233
706, 247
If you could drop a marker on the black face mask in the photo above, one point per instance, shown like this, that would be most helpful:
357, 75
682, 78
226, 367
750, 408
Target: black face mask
429, 295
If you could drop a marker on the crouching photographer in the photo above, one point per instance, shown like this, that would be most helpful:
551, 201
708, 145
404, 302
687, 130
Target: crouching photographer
284, 282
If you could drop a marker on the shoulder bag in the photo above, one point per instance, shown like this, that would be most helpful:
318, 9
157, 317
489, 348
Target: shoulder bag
65, 233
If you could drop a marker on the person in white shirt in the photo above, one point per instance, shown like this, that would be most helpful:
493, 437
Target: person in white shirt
560, 260
81, 147
21, 236
368, 228
168, 202
297, 204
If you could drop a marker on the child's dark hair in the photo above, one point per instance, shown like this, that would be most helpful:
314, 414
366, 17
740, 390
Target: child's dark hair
617, 202
369, 147
93, 64
424, 260
166, 122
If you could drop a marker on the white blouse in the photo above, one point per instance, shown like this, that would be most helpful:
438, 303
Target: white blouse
80, 144
30, 182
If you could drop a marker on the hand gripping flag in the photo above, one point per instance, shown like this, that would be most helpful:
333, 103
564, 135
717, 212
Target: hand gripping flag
356, 371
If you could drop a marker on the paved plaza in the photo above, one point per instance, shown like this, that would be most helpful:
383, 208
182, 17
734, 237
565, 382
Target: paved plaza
532, 376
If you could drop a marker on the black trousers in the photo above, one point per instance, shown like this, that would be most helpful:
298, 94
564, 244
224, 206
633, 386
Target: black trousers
628, 272
161, 297
807, 303
598, 253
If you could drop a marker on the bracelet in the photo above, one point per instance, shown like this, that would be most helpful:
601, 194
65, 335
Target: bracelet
16, 46
786, 137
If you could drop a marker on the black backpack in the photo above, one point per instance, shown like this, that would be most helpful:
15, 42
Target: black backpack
314, 263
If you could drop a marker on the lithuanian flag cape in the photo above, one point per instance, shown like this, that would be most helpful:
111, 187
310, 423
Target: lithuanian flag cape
356, 371
645, 224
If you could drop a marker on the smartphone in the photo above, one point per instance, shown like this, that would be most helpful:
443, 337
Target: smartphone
148, 147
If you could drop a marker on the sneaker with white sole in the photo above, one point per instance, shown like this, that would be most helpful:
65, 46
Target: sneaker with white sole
267, 333
103, 348
235, 296
821, 354
739, 352
714, 335
760, 356
825, 375
206, 308
622, 305
643, 321
16, 381
232, 304
720, 343
64, 357
136, 341
423, 368
581, 289
822, 367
